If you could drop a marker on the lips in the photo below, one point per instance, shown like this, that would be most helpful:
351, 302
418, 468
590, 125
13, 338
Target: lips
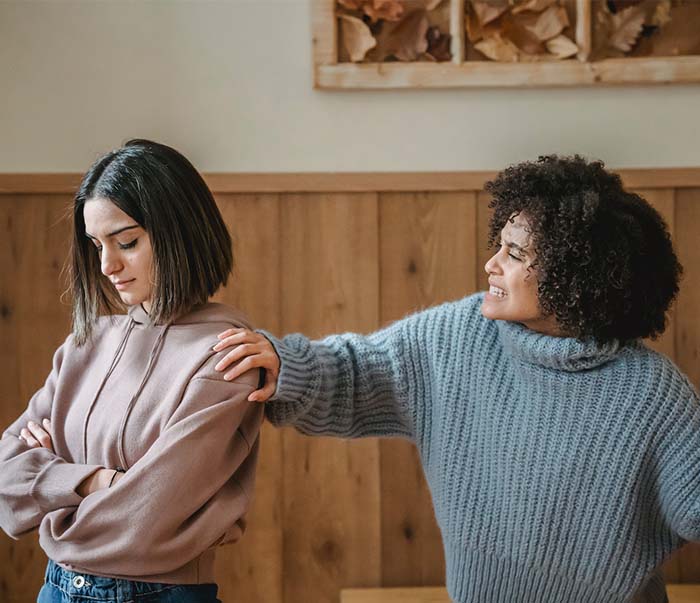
123, 284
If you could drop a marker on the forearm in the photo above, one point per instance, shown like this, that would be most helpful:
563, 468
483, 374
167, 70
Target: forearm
34, 482
345, 385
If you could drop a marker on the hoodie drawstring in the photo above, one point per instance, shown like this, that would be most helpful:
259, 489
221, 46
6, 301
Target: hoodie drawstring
155, 352
115, 361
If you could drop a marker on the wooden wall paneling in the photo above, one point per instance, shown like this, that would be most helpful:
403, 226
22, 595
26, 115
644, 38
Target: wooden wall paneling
330, 283
252, 569
33, 323
663, 200
687, 229
427, 243
483, 252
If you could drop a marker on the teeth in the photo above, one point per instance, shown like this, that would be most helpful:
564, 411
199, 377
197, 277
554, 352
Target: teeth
496, 291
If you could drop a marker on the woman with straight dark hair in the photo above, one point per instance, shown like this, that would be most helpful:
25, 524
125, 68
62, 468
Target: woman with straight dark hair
136, 459
562, 454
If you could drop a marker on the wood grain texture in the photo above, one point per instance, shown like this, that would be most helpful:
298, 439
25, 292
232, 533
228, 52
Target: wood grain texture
328, 514
252, 569
490, 74
687, 231
330, 281
33, 323
663, 200
427, 243
344, 182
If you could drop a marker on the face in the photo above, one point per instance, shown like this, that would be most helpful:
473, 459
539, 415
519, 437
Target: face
512, 291
124, 249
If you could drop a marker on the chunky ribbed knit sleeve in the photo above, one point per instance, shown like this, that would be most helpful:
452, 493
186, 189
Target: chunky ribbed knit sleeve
35, 481
354, 385
188, 492
678, 459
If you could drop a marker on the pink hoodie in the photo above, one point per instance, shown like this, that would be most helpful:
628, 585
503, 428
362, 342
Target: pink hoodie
145, 399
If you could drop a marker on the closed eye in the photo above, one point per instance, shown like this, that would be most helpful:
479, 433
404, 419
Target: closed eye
515, 257
128, 245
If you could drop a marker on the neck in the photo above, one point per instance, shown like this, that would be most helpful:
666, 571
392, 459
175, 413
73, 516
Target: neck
547, 325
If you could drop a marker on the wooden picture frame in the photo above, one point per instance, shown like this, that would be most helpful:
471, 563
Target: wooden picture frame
329, 73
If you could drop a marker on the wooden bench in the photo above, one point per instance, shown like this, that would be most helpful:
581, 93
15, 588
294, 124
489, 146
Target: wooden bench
677, 593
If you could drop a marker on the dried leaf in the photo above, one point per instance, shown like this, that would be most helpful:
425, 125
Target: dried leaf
626, 27
405, 40
352, 4
357, 37
536, 6
497, 48
389, 10
517, 31
489, 10
550, 23
662, 13
438, 45
562, 47
680, 36
475, 31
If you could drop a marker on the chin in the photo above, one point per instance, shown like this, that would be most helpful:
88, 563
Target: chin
488, 311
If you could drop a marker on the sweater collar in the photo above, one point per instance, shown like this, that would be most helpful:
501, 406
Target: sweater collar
562, 353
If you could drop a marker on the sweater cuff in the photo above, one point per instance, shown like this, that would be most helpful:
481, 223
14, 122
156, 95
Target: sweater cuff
298, 378
55, 485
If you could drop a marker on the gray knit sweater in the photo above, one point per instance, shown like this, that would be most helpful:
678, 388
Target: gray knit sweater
561, 471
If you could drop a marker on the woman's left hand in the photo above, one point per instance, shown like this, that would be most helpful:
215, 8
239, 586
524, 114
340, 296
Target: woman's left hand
38, 436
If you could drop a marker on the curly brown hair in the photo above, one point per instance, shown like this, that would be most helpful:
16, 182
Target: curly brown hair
605, 263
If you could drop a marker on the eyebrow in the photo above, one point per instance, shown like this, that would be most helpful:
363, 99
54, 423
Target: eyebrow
116, 232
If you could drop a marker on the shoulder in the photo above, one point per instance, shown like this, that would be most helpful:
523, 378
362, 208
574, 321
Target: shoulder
452, 318
196, 334
658, 377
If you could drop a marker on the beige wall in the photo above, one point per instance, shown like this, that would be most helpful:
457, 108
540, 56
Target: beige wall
229, 83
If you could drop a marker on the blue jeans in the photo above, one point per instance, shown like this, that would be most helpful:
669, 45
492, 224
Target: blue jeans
62, 586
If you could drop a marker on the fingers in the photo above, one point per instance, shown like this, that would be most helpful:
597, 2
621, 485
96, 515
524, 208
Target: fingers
236, 333
27, 436
40, 434
264, 394
243, 350
245, 365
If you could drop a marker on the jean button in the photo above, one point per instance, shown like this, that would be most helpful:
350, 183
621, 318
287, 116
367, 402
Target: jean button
78, 582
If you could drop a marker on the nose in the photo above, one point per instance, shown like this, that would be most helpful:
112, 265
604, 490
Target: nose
493, 266
110, 262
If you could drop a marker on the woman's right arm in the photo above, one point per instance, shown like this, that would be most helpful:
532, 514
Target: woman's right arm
35, 481
346, 385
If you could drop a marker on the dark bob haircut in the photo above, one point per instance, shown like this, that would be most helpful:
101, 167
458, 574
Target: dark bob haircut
161, 190
605, 264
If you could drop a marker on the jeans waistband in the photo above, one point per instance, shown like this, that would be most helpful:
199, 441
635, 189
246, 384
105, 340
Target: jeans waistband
100, 588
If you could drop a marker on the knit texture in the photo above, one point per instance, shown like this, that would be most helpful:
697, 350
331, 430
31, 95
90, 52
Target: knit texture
561, 471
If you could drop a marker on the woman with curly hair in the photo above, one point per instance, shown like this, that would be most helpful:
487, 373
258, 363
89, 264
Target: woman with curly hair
562, 454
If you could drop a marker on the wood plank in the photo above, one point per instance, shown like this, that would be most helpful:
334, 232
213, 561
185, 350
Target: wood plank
457, 31
324, 29
584, 29
663, 200
219, 183
330, 282
252, 569
489, 74
677, 593
687, 227
427, 245
33, 323
483, 251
